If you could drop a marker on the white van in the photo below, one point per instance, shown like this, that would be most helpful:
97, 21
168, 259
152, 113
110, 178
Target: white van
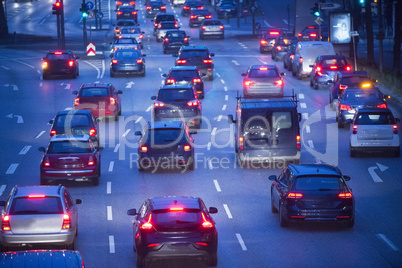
305, 55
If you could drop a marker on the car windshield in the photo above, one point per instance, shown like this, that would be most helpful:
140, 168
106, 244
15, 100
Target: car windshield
362, 95
165, 136
66, 121
176, 217
374, 119
176, 94
212, 22
63, 56
317, 183
260, 73
94, 92
70, 147
186, 75
194, 53
36, 205
132, 54
287, 41
130, 31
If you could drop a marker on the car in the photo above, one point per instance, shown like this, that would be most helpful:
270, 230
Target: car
127, 61
60, 62
124, 43
223, 2
196, 56
72, 158
102, 99
176, 3
133, 32
289, 56
127, 12
42, 258
174, 40
263, 81
120, 3
191, 5
39, 215
165, 145
357, 98
325, 67
227, 10
197, 16
268, 40
154, 7
76, 122
169, 227
186, 75
162, 17
211, 28
374, 130
346, 79
281, 46
311, 33
312, 192
162, 29
122, 23
267, 132
176, 103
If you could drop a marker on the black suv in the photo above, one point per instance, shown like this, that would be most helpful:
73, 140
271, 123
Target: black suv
178, 103
186, 75
196, 56
61, 62
325, 67
162, 17
312, 192
174, 40
165, 145
268, 40
75, 122
127, 12
174, 227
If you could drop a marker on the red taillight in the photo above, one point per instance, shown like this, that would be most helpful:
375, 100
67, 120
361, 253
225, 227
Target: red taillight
153, 245
159, 104
248, 83
264, 42
193, 17
119, 13
298, 143
155, 25
58, 53
112, 101
144, 149
201, 244
348, 68
6, 223
134, 12
132, 3
382, 105
300, 60
221, 27
170, 81
203, 28
299, 34
118, 3
241, 143
345, 107
278, 83
395, 127
310, 27
208, 17
141, 36
44, 65
186, 7
139, 61
36, 196
181, 61
295, 195
120, 37
66, 222
185, 40
200, 7
313, 35
318, 68
71, 63
333, 67
354, 130
207, 61
263, 69
342, 87
274, 33
114, 61
148, 8
92, 132
345, 195
278, 48
52, 133
176, 208
292, 56
187, 148
166, 41
197, 80
46, 162
205, 223
193, 103
147, 225
76, 101
91, 161
163, 7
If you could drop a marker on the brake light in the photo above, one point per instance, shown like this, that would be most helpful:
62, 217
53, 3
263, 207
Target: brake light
181, 61
92, 132
345, 195
170, 81
310, 27
66, 222
197, 80
318, 68
185, 40
345, 107
6, 223
193, 103
264, 42
278, 48
153, 245
139, 61
134, 12
91, 161
382, 105
248, 83
112, 101
147, 225
333, 67
221, 27
278, 83
132, 3
342, 87
52, 133
241, 143
354, 130
176, 209
187, 148
116, 30
163, 7
203, 28
207, 61
186, 7
292, 56
299, 34
144, 149
298, 143
274, 33
395, 127
193, 17
208, 17
44, 65
159, 104
76, 101
114, 61
206, 224
366, 85
160, 26
300, 60
119, 3
263, 69
71, 63
155, 24
201, 244
120, 36
141, 36
58, 53
166, 41
46, 162
119, 13
148, 8
295, 195
313, 35
348, 68
200, 7
36, 196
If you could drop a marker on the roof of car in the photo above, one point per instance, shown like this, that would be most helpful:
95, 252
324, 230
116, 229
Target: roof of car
95, 85
355, 73
374, 110
37, 190
176, 87
165, 124
267, 103
166, 202
325, 57
193, 47
315, 169
71, 112
183, 68
255, 67
69, 138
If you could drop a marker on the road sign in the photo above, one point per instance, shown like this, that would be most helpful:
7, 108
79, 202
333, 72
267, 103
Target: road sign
91, 49
91, 14
99, 15
329, 6
90, 5
318, 21
354, 33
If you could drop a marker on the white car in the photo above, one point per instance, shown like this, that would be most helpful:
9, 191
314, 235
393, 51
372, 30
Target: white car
132, 32
373, 130
163, 27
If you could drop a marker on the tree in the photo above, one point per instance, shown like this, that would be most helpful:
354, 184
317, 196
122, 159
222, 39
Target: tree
3, 21
397, 38
370, 35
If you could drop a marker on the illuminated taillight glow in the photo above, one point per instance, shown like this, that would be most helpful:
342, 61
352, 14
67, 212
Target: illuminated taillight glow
52, 133
248, 83
345, 107
205, 223
6, 223
278, 83
181, 61
46, 162
342, 87
71, 63
159, 104
176, 209
66, 222
279, 48
170, 81
241, 143
354, 130
395, 127
187, 148
207, 61
44, 65
264, 42
92, 132
345, 195
91, 161
144, 149
193, 103
36, 196
140, 61
148, 8
76, 101
313, 35
348, 68
197, 80
382, 106
274, 33
298, 143
333, 67
147, 225
295, 195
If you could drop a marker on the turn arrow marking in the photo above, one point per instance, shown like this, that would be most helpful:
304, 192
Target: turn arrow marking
15, 88
129, 84
374, 175
19, 118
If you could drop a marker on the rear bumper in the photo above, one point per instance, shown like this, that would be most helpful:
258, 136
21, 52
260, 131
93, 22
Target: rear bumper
179, 250
263, 92
129, 69
72, 175
17, 240
267, 157
210, 33
293, 213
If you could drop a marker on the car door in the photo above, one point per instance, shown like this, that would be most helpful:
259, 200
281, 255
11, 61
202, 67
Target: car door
280, 188
71, 208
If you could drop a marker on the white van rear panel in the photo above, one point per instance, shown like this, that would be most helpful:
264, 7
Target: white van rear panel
309, 51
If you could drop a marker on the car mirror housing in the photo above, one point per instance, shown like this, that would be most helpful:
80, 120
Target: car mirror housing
272, 178
78, 201
101, 148
119, 92
213, 210
77, 57
397, 120
193, 132
230, 119
138, 133
75, 92
41, 149
346, 178
153, 98
283, 74
299, 116
243, 74
132, 212
51, 121
212, 54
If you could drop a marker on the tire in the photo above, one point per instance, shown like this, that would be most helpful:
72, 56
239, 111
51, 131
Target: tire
299, 75
119, 111
142, 46
262, 51
293, 73
43, 181
273, 209
311, 83
141, 263
71, 246
45, 77
95, 180
352, 152
143, 73
282, 222
164, 51
212, 260
284, 65
351, 223
397, 153
340, 124
316, 85
112, 74
211, 77
190, 165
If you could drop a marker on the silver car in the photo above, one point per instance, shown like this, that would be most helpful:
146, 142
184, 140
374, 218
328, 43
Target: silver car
262, 81
212, 27
163, 27
36, 215
133, 32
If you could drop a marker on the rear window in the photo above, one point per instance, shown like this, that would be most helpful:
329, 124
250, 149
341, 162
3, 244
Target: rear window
165, 17
374, 119
125, 23
200, 12
313, 183
330, 62
194, 53
166, 220
165, 136
354, 81
214, 22
175, 94
94, 92
260, 73
176, 34
67, 121
168, 25
266, 123
38, 205
183, 75
317, 49
125, 41
130, 31
131, 54
362, 95
64, 56
70, 147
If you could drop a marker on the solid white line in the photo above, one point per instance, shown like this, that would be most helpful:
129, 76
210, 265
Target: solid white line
389, 242
2, 188
209, 146
218, 188
11, 169
225, 88
210, 164
24, 63
149, 108
310, 144
138, 119
305, 115
222, 81
111, 244
213, 131
109, 213
224, 107
243, 246
40, 134
301, 96
125, 133
303, 105
308, 129
263, 62
109, 187
4, 67
219, 118
160, 69
103, 69
25, 149
96, 68
116, 148
227, 211
266, 23
226, 97
217, 74
111, 164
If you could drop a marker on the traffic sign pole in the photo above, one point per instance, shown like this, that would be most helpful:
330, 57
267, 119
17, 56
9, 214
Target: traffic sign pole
84, 28
63, 34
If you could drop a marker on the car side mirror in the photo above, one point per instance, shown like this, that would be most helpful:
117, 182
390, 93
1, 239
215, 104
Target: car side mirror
143, 32
299, 117
132, 212
230, 119
41, 149
189, 37
397, 120
153, 98
174, 55
164, 75
374, 80
101, 148
346, 178
387, 96
78, 201
272, 178
192, 132
213, 210
77, 57
75, 92
51, 121
152, 20
330, 81
212, 54
144, 55
119, 92
243, 74
138, 133
110, 43
98, 120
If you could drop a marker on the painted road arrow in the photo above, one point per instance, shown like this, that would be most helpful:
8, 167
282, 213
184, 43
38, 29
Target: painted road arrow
374, 175
129, 84
19, 118
15, 88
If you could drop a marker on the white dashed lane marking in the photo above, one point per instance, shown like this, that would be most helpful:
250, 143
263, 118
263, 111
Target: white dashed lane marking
213, 131
109, 187
209, 146
242, 244
218, 188
2, 188
149, 108
226, 97
301, 96
388, 242
219, 118
11, 169
126, 133
109, 213
40, 134
225, 88
116, 148
222, 81
138, 119
227, 211
224, 107
310, 144
305, 115
111, 244
235, 62
303, 105
25, 149
111, 165
308, 129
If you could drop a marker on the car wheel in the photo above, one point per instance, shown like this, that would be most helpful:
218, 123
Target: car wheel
282, 221
213, 259
261, 51
139, 166
43, 181
119, 111
331, 101
311, 83
340, 124
284, 65
298, 74
351, 223
143, 73
397, 152
164, 51
316, 85
273, 208
211, 77
45, 77
71, 246
95, 180
141, 262
111, 73
352, 151
190, 165
293, 72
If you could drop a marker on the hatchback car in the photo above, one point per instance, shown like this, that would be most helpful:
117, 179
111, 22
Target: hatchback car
312, 192
212, 28
120, 3
374, 130
263, 81
76, 122
186, 75
127, 61
227, 10
39, 215
101, 99
133, 32
122, 23
325, 68
154, 7
176, 103
197, 16
174, 227
196, 56
162, 17
165, 145
281, 46
311, 33
268, 40
124, 43
191, 5
174, 40
61, 62
127, 12
163, 28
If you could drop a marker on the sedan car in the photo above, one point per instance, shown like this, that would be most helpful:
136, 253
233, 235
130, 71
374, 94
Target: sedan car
124, 43
191, 5
357, 98
262, 81
176, 103
311, 33
122, 23
101, 99
39, 215
186, 75
312, 192
163, 28
268, 40
196, 56
374, 130
174, 227
165, 145
75, 122
227, 10
162, 17
133, 32
197, 16
61, 62
325, 68
70, 157
212, 28
154, 7
127, 12
127, 61
174, 40
281, 46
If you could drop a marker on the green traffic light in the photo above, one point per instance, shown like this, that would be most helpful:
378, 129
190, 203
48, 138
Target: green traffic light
84, 15
361, 1
317, 13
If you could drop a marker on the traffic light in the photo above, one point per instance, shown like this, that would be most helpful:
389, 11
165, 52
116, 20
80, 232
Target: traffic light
361, 1
57, 8
84, 10
315, 11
